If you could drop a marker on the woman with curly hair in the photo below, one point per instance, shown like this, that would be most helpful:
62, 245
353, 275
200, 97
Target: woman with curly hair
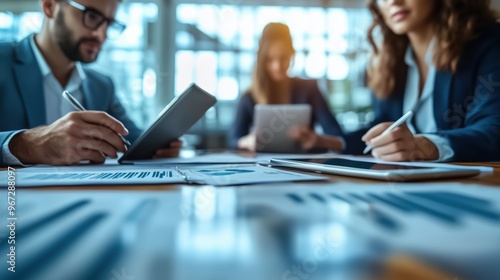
441, 60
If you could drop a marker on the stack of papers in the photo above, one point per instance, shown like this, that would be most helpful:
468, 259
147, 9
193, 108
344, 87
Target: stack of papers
217, 175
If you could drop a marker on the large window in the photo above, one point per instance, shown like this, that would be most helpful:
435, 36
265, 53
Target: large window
214, 45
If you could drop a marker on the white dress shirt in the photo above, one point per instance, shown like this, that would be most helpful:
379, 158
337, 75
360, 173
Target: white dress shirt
55, 105
424, 115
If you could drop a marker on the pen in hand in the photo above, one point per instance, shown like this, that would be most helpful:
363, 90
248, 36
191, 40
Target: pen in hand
396, 124
79, 107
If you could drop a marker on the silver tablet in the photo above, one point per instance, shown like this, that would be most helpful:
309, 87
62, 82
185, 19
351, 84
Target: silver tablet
175, 120
272, 125
371, 170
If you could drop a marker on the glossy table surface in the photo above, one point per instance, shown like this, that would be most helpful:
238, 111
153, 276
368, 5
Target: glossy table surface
345, 228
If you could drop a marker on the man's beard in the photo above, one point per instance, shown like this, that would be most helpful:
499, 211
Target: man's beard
68, 47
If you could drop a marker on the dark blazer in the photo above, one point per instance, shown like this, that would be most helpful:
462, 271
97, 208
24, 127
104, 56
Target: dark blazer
22, 103
302, 92
466, 103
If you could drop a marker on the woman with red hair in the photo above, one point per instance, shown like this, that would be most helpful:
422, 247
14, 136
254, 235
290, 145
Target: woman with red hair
272, 85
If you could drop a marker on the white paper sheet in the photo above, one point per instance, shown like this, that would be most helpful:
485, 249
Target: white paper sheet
228, 175
218, 175
76, 176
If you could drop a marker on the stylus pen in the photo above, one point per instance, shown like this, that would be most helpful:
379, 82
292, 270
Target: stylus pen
396, 124
79, 107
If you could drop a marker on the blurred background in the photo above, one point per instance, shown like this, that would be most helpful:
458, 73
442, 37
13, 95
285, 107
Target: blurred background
169, 44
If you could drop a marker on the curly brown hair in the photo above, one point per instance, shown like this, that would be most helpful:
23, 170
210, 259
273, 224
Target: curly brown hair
456, 23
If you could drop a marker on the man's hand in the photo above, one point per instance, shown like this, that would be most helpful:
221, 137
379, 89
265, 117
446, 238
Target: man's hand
399, 145
78, 136
173, 150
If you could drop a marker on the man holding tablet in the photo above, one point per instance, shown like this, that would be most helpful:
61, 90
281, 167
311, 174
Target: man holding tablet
38, 126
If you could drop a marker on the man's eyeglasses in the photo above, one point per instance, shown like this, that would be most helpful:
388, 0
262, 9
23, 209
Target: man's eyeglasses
93, 19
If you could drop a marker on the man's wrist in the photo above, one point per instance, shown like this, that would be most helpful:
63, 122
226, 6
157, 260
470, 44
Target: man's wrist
19, 148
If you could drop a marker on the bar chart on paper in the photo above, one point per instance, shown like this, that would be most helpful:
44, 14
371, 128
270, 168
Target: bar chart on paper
150, 175
244, 174
27, 178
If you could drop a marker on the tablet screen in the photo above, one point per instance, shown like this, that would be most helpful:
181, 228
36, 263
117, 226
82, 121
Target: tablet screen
359, 164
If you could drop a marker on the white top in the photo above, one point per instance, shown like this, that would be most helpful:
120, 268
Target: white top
55, 105
424, 115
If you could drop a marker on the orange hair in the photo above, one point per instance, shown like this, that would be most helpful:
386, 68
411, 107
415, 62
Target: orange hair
263, 89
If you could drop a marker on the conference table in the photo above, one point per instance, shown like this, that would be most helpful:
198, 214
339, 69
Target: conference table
312, 230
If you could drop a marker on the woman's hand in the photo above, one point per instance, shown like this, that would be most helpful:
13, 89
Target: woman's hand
309, 139
248, 142
399, 145
173, 150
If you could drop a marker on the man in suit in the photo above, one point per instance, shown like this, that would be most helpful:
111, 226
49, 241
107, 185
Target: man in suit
39, 127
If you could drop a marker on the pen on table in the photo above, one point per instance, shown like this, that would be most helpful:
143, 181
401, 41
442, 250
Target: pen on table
79, 107
397, 123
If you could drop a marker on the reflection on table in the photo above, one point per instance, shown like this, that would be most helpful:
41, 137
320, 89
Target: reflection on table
330, 231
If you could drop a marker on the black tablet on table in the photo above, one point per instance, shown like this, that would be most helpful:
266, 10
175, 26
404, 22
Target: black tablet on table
175, 120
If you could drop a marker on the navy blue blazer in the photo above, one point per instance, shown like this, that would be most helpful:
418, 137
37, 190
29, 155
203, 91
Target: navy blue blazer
22, 102
302, 92
466, 103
